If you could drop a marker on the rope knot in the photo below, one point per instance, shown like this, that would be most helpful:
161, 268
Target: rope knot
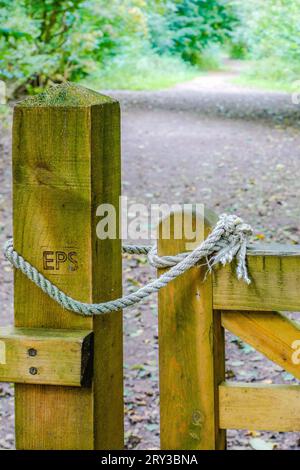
233, 224
233, 243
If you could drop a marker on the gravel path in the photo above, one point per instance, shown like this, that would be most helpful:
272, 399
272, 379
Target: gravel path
208, 141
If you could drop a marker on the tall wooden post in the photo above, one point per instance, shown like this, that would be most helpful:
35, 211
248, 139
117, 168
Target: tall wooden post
191, 352
66, 161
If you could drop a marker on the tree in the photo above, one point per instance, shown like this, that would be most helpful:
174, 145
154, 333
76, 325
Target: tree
193, 25
64, 39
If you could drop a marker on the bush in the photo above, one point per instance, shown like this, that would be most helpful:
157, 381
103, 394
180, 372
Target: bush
271, 30
40, 41
64, 40
192, 27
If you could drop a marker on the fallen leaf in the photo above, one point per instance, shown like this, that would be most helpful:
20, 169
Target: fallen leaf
259, 444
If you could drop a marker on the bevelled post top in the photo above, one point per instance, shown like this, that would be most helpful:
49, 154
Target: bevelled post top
65, 95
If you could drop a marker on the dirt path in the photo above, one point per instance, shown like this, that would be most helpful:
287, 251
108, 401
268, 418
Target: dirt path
221, 81
206, 141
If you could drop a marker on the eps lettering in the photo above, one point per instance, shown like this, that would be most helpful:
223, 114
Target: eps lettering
55, 260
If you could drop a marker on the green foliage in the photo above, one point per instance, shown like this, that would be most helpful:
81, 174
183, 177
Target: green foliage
36, 46
271, 30
238, 48
238, 43
52, 41
274, 29
189, 27
271, 74
198, 23
140, 70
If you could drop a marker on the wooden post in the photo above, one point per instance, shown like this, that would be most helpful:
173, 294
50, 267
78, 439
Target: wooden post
191, 353
66, 161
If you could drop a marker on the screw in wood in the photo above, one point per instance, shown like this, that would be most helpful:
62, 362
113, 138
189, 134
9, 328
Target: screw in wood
32, 352
33, 370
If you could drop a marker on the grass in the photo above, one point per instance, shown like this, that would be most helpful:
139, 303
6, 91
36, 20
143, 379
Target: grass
266, 84
272, 75
148, 72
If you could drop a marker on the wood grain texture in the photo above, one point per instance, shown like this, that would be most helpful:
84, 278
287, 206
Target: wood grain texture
260, 407
66, 161
273, 249
41, 356
107, 281
275, 279
188, 376
219, 376
271, 333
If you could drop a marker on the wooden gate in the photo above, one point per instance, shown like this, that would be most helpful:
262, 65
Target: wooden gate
197, 405
66, 161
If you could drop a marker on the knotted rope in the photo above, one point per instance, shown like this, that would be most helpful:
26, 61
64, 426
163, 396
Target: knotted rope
228, 240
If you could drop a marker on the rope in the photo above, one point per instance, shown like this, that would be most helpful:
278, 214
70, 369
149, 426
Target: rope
227, 240
153, 258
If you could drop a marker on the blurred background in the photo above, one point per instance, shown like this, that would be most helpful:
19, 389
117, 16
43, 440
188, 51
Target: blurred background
135, 44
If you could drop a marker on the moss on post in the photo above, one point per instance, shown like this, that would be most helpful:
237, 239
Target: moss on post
66, 94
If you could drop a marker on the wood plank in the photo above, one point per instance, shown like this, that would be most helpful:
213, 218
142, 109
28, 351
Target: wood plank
187, 331
271, 333
260, 407
272, 249
275, 275
45, 356
66, 161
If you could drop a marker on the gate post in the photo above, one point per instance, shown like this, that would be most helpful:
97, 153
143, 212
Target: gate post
66, 161
191, 351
